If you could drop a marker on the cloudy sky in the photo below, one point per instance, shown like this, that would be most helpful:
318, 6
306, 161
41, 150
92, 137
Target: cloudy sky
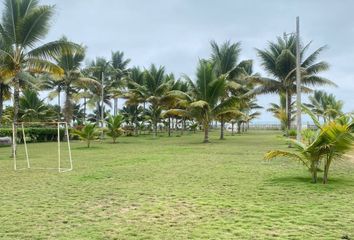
176, 33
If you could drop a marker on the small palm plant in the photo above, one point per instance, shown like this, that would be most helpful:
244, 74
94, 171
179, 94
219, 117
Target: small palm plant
114, 129
331, 142
308, 155
88, 133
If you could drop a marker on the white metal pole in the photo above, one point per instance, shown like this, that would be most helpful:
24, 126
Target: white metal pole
25, 143
14, 145
69, 148
59, 167
298, 82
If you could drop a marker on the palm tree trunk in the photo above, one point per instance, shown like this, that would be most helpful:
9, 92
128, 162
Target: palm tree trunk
59, 106
1, 101
85, 109
232, 128
314, 172
206, 132
238, 127
68, 108
288, 110
326, 170
115, 103
169, 126
16, 108
222, 123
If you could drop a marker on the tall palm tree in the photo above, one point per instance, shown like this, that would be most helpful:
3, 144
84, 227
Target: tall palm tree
225, 57
24, 24
72, 80
279, 61
119, 72
100, 70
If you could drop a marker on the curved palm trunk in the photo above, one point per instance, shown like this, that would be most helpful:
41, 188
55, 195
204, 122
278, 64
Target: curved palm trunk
314, 172
16, 107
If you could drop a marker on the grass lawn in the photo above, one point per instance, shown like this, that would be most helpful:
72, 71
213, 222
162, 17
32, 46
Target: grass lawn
174, 188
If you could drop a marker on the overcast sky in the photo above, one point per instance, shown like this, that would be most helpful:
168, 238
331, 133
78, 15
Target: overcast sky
176, 33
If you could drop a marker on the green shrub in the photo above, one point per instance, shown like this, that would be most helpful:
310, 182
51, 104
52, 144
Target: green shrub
35, 134
292, 133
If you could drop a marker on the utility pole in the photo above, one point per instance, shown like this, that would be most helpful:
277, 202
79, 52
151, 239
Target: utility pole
102, 103
298, 82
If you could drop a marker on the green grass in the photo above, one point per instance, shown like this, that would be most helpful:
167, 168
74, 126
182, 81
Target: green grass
174, 188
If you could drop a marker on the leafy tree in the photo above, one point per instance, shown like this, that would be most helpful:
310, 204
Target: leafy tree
114, 129
88, 133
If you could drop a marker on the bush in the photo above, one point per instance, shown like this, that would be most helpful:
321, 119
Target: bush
35, 134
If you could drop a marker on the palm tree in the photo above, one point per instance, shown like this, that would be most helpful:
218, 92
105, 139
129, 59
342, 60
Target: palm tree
151, 89
325, 105
24, 24
73, 79
308, 155
279, 112
225, 57
331, 142
88, 133
205, 95
114, 129
32, 108
119, 72
132, 116
279, 61
55, 86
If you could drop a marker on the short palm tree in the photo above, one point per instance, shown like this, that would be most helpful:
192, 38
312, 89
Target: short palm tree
114, 129
88, 133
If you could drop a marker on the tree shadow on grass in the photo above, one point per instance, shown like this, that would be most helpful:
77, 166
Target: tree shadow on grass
294, 181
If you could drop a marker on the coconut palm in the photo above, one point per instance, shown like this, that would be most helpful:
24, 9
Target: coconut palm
279, 61
114, 129
325, 105
119, 72
24, 24
132, 116
205, 95
73, 80
279, 112
32, 108
308, 155
88, 133
225, 57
